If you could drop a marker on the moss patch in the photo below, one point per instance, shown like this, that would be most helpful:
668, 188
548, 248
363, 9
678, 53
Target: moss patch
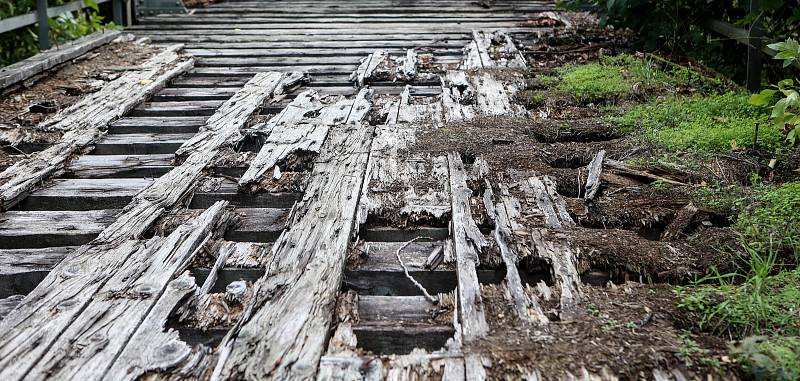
715, 123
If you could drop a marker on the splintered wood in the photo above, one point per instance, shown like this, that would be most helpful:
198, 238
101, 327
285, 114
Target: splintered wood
85, 122
283, 332
222, 129
402, 187
100, 313
302, 127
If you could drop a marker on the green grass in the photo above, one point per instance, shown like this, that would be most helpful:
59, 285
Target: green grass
593, 81
715, 123
622, 76
773, 219
764, 297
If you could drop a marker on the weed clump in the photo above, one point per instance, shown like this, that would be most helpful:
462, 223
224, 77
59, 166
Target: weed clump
714, 123
593, 81
774, 219
770, 358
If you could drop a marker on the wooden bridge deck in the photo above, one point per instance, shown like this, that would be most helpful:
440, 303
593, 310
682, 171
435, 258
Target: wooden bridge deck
159, 222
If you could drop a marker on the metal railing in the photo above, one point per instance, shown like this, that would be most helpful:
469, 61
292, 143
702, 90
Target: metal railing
42, 14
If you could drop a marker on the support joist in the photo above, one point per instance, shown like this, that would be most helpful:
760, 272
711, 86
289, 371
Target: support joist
70, 326
283, 333
85, 122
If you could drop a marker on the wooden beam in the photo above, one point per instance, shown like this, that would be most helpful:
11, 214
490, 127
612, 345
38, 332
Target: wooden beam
70, 326
49, 59
222, 129
301, 126
85, 122
468, 243
283, 333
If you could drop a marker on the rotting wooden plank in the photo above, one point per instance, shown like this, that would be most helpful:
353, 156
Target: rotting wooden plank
223, 128
301, 127
368, 65
220, 130
504, 214
468, 242
283, 332
390, 191
593, 178
550, 203
562, 260
85, 121
48, 59
492, 49
412, 110
81, 334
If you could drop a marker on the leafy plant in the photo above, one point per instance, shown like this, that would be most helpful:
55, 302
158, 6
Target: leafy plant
22, 43
769, 358
786, 110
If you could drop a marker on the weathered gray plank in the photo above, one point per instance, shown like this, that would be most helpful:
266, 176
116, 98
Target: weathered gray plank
81, 333
367, 67
220, 130
391, 192
85, 121
468, 242
48, 59
283, 335
301, 126
593, 177
504, 213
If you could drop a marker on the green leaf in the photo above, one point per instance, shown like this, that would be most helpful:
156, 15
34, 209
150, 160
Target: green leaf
762, 99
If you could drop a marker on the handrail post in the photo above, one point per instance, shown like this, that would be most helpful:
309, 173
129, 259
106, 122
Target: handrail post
754, 37
116, 7
44, 24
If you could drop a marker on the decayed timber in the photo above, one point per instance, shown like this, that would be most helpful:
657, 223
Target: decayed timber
468, 242
301, 127
492, 49
410, 64
85, 122
391, 191
505, 214
542, 192
283, 332
408, 110
83, 315
367, 67
562, 261
550, 203
223, 128
48, 59
593, 178
220, 130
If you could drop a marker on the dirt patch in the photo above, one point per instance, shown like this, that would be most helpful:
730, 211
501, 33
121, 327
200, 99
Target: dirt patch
24, 108
197, 3
627, 330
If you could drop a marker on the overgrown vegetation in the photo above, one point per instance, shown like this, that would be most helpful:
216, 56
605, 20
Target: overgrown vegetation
764, 297
626, 76
785, 113
714, 123
22, 43
676, 26
770, 358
